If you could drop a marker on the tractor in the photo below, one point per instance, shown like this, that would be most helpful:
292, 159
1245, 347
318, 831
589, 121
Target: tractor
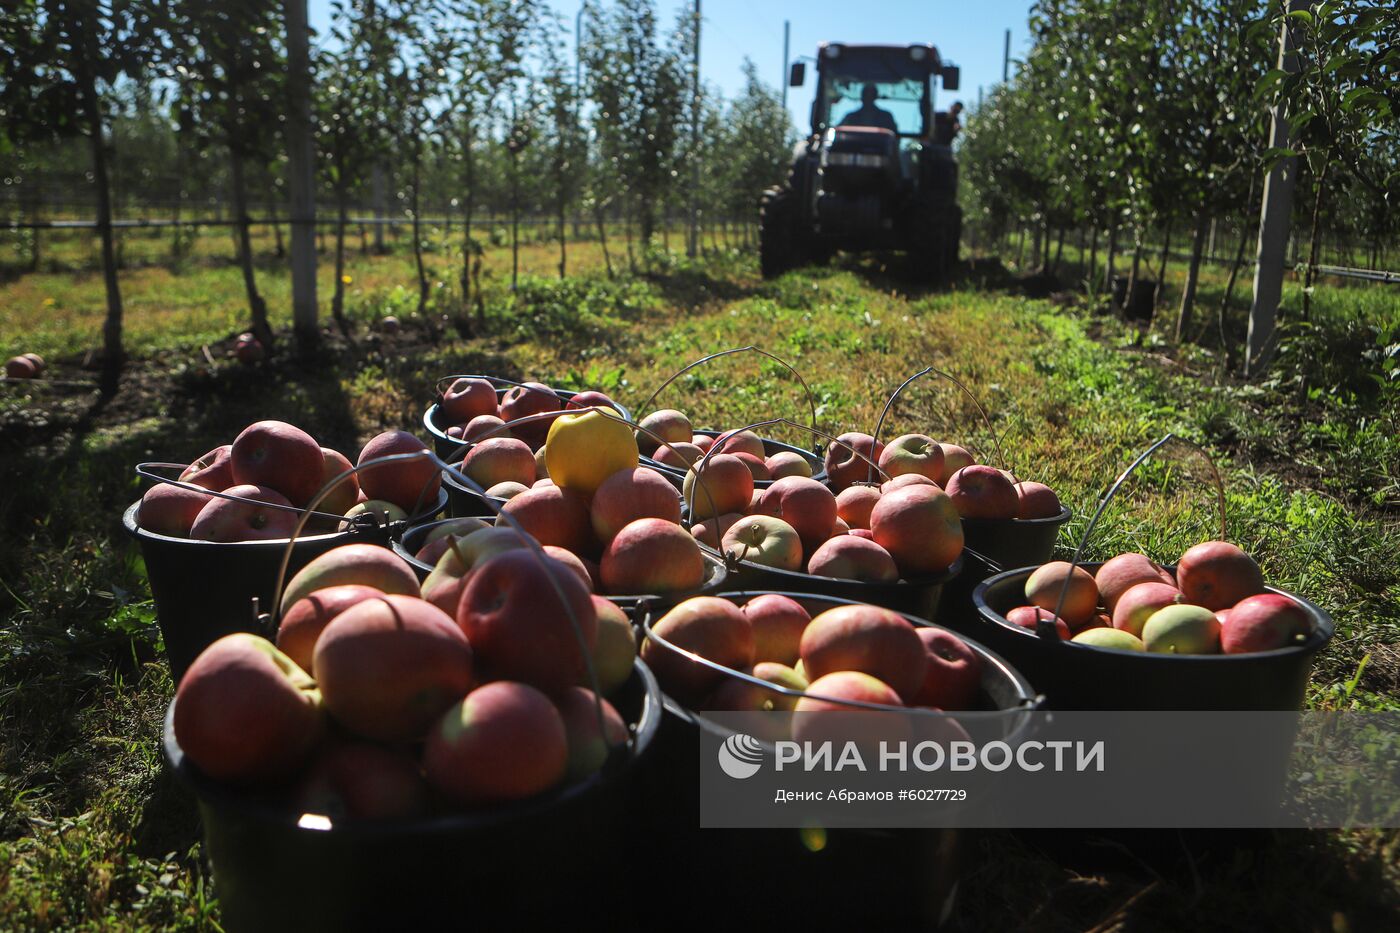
877, 171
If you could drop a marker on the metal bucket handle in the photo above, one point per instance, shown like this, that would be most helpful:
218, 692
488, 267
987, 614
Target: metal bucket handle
811, 399
1045, 628
889, 403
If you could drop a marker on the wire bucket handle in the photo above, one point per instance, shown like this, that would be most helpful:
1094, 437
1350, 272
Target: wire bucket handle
986, 419
811, 399
1045, 628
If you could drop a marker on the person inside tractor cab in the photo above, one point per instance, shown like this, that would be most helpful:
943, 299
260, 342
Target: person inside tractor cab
946, 125
868, 114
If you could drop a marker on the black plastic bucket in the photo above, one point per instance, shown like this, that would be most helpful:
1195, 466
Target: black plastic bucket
204, 590
919, 597
445, 446
509, 867
1015, 542
770, 447
464, 502
716, 577
865, 879
955, 607
1087, 678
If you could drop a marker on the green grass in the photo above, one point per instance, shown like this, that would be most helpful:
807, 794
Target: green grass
94, 835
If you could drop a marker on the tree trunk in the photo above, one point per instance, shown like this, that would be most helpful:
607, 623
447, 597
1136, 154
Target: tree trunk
1162, 265
338, 295
468, 201
1188, 292
280, 248
1020, 248
417, 229
257, 308
1091, 280
1134, 269
627, 236
113, 352
364, 241
377, 195
1059, 251
563, 228
514, 220
602, 235
1319, 184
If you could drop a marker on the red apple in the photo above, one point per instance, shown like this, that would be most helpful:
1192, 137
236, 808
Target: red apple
37, 360
589, 746
170, 510
652, 555
366, 564
805, 504
346, 493
912, 453
849, 558
861, 533
678, 455
245, 713
615, 649
869, 639
983, 492
844, 467
499, 460
303, 623
667, 425
572, 561
788, 463
553, 515
628, 495
711, 627
363, 781
409, 484
19, 367
504, 741
213, 471
1030, 616
907, 479
389, 666
741, 442
507, 491
756, 465
1218, 575
444, 585
854, 503
920, 527
278, 456
1264, 623
1036, 500
777, 622
1122, 573
1081, 601
521, 628
482, 425
466, 399
954, 673
854, 724
591, 398
712, 531
724, 485
533, 398
954, 459
230, 520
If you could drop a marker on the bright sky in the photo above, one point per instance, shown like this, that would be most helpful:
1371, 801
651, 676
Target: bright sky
968, 35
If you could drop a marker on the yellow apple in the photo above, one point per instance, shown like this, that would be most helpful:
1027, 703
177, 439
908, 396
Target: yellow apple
583, 450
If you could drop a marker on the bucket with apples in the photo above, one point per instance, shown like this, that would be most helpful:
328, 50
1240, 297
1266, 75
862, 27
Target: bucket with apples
469, 404
767, 459
774, 652
213, 532
896, 550
477, 760
1205, 632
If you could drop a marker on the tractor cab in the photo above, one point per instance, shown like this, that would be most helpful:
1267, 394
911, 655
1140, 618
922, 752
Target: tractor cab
869, 176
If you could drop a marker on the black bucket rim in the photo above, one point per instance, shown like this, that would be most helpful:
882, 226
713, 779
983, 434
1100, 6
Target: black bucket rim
812, 457
231, 797
1062, 518
139, 533
564, 395
716, 573
1323, 626
1030, 698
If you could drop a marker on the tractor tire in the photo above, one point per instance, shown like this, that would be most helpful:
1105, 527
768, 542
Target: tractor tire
933, 250
779, 248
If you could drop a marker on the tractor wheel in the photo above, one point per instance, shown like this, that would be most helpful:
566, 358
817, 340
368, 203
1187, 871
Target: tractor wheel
778, 245
934, 246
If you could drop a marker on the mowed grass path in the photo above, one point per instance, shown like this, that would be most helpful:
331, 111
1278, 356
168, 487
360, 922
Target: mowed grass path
94, 834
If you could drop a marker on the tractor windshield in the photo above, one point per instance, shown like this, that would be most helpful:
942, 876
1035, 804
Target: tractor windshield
899, 87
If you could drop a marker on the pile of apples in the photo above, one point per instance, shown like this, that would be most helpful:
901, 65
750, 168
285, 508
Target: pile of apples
684, 447
25, 366
1215, 603
272, 463
469, 408
978, 491
852, 652
906, 528
374, 703
619, 521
